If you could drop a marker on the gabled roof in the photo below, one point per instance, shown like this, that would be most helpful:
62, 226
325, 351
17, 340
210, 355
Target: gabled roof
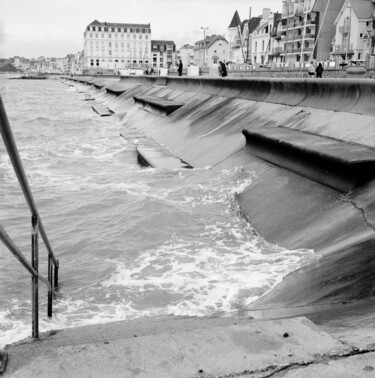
210, 40
254, 23
95, 22
363, 9
236, 21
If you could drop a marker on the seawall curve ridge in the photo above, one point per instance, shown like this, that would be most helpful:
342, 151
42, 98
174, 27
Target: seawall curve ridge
349, 95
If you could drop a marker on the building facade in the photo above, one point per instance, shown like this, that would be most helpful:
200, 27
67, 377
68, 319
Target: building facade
186, 54
261, 39
115, 46
354, 32
163, 54
239, 36
210, 51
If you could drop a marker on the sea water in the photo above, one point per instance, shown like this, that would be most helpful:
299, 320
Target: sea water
132, 241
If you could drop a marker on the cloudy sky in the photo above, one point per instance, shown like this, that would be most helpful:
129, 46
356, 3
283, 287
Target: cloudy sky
33, 28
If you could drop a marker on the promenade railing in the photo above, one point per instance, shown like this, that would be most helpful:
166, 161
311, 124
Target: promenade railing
37, 228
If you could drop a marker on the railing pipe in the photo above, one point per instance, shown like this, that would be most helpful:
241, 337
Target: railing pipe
8, 242
14, 156
34, 279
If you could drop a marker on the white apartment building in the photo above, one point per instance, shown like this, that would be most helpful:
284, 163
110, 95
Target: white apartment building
354, 29
163, 54
114, 46
187, 55
261, 38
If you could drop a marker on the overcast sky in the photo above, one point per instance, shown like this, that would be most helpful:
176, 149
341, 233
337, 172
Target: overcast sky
54, 28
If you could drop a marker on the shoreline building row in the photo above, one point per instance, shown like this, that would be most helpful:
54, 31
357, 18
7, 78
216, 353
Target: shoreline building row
305, 31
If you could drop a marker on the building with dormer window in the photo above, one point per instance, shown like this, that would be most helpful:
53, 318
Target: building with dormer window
115, 46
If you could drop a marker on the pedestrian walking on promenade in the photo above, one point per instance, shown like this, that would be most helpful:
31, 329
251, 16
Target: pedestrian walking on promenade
319, 70
222, 69
180, 68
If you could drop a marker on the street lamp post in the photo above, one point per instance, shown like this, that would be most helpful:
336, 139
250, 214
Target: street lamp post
204, 44
350, 25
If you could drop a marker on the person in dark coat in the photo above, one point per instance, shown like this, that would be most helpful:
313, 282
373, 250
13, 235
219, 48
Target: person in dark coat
180, 65
223, 69
319, 70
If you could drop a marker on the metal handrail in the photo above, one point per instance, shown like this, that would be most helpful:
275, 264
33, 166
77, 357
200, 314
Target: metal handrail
6, 239
37, 226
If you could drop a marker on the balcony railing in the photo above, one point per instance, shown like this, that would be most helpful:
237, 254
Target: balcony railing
344, 29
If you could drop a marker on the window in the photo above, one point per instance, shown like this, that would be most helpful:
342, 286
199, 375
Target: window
105, 29
92, 62
131, 30
96, 35
146, 36
113, 29
143, 30
99, 28
97, 62
140, 36
109, 44
125, 30
119, 30
102, 35
122, 36
110, 52
109, 36
134, 36
90, 35
116, 36
93, 28
137, 30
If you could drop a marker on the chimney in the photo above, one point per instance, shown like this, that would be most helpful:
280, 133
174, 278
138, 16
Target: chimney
266, 13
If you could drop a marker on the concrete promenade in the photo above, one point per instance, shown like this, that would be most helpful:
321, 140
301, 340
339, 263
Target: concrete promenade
202, 347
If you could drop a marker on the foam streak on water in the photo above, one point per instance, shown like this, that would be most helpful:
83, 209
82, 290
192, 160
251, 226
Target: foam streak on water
131, 241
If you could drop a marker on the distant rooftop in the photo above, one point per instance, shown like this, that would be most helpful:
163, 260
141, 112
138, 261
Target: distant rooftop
119, 25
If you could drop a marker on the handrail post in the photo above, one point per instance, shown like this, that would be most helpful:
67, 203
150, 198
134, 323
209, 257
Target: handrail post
56, 283
50, 280
34, 289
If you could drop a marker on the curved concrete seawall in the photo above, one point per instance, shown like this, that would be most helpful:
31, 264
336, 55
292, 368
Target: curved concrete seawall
310, 143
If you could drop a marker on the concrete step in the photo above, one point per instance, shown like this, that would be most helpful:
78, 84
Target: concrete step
102, 110
337, 164
159, 105
151, 153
